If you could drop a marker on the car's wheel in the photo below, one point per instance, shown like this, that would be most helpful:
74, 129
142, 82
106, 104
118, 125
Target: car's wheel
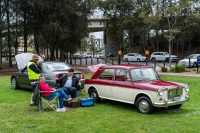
153, 59
138, 60
94, 94
144, 105
126, 59
14, 83
194, 64
175, 106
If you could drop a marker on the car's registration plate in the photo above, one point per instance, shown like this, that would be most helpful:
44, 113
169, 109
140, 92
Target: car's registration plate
176, 98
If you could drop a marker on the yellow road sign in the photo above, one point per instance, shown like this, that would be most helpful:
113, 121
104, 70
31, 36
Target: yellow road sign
147, 52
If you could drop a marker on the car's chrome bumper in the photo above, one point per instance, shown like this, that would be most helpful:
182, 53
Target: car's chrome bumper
170, 103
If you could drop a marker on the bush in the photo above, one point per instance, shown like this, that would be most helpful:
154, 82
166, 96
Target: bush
178, 68
164, 69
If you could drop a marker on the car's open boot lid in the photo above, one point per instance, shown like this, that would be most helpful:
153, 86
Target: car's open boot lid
23, 59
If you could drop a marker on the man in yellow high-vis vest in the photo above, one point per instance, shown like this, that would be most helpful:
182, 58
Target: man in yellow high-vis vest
34, 73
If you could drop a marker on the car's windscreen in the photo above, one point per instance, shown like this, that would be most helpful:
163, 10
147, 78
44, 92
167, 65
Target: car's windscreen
57, 66
138, 54
141, 74
193, 56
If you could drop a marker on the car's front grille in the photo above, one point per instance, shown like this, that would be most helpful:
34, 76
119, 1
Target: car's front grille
176, 92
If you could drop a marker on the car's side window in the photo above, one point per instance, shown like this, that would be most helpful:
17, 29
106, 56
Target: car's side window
107, 74
121, 75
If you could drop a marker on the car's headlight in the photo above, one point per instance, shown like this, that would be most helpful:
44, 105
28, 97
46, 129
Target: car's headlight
160, 92
186, 88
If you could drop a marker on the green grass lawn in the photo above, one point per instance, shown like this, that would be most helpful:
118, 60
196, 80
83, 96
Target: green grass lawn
16, 116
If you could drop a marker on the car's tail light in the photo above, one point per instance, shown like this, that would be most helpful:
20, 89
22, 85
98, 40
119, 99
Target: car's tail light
82, 75
57, 76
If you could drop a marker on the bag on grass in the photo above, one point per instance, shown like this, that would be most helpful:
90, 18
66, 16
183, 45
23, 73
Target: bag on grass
86, 102
73, 104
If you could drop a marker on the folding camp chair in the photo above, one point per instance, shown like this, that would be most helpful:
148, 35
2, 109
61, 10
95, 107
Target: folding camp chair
39, 99
53, 103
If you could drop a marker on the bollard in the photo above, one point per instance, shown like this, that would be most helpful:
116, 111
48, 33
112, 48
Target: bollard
86, 61
146, 60
119, 60
91, 61
164, 64
189, 63
112, 60
155, 64
97, 60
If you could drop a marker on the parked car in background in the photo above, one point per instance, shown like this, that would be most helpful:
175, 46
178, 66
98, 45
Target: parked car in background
193, 60
134, 57
162, 56
50, 69
76, 55
136, 84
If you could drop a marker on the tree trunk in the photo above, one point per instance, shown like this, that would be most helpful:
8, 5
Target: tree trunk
56, 52
1, 64
36, 43
67, 57
170, 53
62, 55
8, 34
157, 41
70, 57
52, 50
47, 50
25, 32
16, 35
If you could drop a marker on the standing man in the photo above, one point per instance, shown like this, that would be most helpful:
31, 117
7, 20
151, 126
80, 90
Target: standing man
33, 73
70, 83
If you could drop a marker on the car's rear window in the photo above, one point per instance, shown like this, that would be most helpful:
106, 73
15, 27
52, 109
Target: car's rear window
57, 66
107, 74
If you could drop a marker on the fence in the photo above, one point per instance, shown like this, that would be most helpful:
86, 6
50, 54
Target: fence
112, 60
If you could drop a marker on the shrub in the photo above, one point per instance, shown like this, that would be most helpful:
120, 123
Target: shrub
164, 69
178, 68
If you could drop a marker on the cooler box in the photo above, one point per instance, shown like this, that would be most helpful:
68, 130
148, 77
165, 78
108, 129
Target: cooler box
86, 102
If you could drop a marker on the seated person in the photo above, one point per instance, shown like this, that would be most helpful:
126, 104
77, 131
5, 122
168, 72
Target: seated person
69, 83
50, 93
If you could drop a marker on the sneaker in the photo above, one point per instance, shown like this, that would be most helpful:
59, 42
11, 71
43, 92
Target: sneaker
32, 104
61, 110
69, 99
64, 108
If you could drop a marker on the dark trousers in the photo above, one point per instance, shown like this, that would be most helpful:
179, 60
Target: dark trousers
70, 91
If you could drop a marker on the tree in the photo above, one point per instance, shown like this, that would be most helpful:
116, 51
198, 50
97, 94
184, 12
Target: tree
8, 30
2, 14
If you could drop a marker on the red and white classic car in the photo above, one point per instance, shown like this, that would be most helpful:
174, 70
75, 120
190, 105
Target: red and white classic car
136, 84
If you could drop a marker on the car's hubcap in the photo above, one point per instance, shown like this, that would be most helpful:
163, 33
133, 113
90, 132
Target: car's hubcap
93, 95
13, 83
144, 106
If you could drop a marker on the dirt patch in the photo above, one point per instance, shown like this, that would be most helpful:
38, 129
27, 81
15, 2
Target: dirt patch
8, 70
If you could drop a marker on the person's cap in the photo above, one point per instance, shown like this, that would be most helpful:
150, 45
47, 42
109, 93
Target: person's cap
70, 70
35, 57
